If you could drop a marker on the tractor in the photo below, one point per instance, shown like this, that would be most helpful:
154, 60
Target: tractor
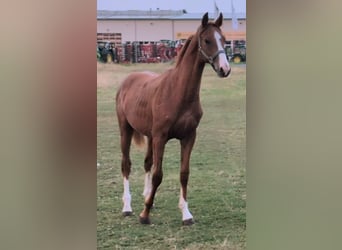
106, 51
236, 52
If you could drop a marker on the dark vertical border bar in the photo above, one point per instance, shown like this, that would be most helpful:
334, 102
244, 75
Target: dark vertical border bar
48, 128
293, 125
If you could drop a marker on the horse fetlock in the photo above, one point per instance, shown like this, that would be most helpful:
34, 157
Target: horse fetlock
127, 209
126, 199
183, 206
186, 215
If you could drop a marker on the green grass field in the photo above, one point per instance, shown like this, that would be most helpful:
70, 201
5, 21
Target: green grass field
217, 184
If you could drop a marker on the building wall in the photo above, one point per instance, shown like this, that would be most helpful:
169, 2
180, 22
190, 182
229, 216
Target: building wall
184, 28
155, 30
125, 27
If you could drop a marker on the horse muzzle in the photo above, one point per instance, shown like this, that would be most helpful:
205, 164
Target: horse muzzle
223, 70
222, 66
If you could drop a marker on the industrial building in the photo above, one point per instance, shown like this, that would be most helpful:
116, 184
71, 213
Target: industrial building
155, 25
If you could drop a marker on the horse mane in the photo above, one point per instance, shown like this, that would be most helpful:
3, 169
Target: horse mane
183, 50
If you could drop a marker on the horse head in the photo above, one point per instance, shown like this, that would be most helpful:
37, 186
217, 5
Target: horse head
211, 45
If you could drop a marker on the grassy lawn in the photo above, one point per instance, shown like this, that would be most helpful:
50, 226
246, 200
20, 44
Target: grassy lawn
217, 184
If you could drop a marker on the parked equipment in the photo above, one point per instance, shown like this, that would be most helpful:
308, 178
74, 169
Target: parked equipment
111, 51
236, 51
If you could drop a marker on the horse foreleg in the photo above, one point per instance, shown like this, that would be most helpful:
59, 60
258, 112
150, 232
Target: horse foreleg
157, 176
186, 148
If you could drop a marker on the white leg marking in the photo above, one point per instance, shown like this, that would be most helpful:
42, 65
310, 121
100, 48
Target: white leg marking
183, 205
148, 185
126, 198
223, 62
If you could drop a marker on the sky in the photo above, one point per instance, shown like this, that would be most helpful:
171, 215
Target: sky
191, 6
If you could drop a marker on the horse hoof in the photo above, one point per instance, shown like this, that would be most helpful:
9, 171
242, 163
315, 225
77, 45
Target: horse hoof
127, 213
188, 222
145, 221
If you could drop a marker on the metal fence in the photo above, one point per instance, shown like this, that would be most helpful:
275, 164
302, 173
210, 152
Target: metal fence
139, 52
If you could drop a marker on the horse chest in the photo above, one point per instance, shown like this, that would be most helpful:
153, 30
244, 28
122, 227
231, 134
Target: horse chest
186, 123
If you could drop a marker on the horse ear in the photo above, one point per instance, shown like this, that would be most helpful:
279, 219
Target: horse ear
205, 19
218, 21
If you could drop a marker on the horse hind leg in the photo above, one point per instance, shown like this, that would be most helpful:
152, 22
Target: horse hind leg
126, 137
158, 146
147, 166
126, 198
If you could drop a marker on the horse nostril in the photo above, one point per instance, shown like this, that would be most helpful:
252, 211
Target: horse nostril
225, 71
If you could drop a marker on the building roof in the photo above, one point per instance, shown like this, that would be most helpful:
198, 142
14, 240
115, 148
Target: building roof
158, 14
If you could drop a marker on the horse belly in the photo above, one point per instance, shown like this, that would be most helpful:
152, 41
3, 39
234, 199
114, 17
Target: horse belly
139, 115
136, 94
140, 120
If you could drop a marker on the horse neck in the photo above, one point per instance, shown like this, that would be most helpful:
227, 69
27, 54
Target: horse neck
189, 72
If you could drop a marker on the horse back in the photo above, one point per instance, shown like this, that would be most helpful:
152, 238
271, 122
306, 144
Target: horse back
135, 84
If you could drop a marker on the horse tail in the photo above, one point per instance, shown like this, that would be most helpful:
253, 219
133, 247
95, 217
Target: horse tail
138, 138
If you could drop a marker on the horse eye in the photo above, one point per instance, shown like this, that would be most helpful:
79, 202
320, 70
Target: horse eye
206, 41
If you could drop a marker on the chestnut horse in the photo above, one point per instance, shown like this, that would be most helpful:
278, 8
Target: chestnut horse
166, 106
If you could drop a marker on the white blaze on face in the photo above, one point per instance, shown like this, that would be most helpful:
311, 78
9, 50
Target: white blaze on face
126, 198
222, 58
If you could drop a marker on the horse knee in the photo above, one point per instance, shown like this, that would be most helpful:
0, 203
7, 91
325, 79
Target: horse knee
157, 178
148, 164
126, 167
